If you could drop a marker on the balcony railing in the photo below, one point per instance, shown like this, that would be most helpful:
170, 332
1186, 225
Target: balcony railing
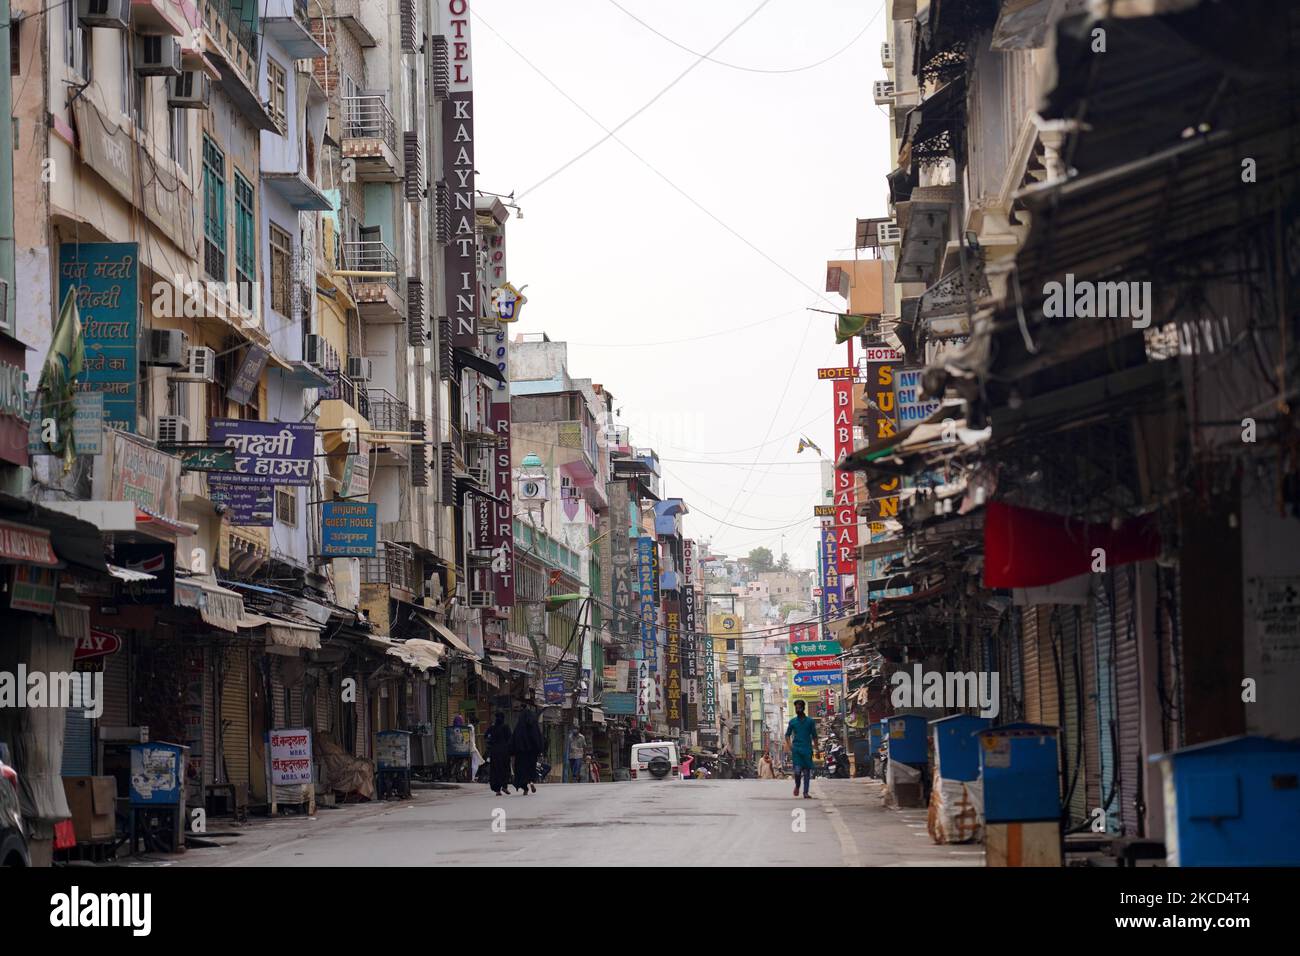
368, 117
347, 390
388, 413
371, 255
392, 564
232, 15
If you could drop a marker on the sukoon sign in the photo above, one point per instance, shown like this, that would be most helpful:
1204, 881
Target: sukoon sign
460, 258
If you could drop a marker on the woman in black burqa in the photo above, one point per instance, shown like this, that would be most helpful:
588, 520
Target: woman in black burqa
528, 743
498, 741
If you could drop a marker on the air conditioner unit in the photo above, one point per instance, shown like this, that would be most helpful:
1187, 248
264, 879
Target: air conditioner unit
192, 90
165, 347
883, 91
482, 476
360, 369
888, 233
157, 55
200, 366
481, 599
317, 351
112, 14
173, 430
886, 55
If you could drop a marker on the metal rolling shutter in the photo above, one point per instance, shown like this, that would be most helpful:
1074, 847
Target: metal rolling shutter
1103, 653
1091, 734
362, 707
297, 714
1013, 662
1029, 641
1127, 700
323, 702
279, 715
234, 715
78, 743
1072, 705
209, 715
117, 689
438, 716
1049, 651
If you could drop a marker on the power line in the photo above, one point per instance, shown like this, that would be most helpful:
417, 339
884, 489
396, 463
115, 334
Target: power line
752, 69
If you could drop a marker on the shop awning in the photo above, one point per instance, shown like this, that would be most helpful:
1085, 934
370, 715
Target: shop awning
467, 359
597, 715
281, 632
219, 607
126, 574
416, 653
446, 634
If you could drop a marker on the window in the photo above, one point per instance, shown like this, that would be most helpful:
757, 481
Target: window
139, 103
126, 78
278, 100
245, 246
178, 399
214, 211
286, 506
15, 47
178, 128
71, 35
281, 251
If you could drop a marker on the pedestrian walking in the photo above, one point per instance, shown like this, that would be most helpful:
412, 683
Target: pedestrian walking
498, 742
799, 736
475, 758
528, 743
577, 754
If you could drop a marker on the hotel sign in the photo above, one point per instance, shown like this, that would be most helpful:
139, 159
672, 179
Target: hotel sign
460, 257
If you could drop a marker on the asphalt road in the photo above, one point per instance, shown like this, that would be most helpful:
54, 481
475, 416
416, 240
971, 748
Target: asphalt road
695, 823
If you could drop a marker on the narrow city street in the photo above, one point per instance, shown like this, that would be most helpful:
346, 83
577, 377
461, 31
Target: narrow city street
696, 823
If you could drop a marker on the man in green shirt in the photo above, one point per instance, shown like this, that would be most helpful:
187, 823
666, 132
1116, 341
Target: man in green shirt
800, 735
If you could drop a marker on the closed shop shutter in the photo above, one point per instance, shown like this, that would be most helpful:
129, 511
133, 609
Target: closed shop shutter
1029, 641
323, 703
209, 715
117, 689
1103, 653
234, 715
1072, 706
279, 716
1091, 736
1015, 708
438, 715
1049, 651
297, 715
78, 743
1127, 700
362, 706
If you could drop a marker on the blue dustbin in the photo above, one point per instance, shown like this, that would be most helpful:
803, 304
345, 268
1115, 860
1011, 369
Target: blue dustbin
1232, 802
1021, 781
907, 739
875, 734
956, 751
158, 774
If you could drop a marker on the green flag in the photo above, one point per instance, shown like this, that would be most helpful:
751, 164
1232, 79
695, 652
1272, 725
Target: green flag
847, 326
63, 364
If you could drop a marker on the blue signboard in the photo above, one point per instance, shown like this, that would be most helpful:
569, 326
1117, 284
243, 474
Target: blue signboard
349, 529
266, 453
831, 596
106, 277
554, 690
616, 704
818, 678
649, 614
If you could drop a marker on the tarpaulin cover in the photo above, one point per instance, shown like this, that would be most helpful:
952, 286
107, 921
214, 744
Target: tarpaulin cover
900, 775
1024, 548
956, 810
341, 771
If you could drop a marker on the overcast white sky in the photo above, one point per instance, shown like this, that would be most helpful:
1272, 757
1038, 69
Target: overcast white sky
617, 261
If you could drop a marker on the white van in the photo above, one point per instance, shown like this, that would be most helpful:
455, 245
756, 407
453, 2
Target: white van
655, 761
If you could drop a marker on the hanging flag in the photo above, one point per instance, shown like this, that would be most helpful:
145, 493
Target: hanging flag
805, 443
847, 326
57, 388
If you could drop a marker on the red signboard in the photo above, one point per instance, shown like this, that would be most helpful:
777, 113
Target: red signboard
803, 632
828, 662
836, 373
19, 542
846, 530
98, 644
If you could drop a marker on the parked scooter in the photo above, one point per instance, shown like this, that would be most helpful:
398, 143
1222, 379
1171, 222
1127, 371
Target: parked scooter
837, 762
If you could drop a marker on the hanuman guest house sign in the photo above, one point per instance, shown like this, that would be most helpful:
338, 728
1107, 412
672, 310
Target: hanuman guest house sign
460, 257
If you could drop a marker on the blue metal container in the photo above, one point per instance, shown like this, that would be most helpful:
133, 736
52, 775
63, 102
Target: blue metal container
158, 774
863, 753
1233, 802
875, 734
956, 751
1018, 763
907, 739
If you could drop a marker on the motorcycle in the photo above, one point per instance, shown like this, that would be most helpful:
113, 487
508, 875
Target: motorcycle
837, 762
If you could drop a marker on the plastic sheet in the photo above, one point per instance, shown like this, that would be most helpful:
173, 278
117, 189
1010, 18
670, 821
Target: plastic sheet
900, 775
956, 811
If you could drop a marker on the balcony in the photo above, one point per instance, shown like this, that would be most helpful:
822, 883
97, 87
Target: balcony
370, 138
345, 390
288, 23
372, 269
392, 565
159, 16
348, 13
234, 44
388, 413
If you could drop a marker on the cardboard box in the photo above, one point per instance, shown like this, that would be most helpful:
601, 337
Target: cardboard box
93, 801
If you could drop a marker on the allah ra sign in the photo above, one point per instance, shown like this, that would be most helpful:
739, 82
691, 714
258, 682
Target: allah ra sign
507, 302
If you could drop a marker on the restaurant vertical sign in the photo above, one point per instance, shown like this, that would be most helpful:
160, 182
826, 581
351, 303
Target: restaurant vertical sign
106, 277
460, 258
